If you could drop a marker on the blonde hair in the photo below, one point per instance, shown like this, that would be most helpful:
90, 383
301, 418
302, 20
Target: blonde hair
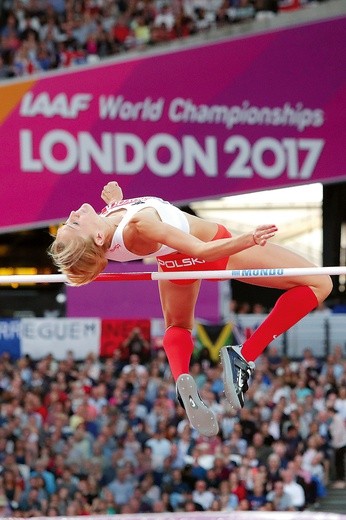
80, 259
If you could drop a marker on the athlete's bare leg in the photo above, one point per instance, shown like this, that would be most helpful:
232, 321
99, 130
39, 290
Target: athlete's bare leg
302, 294
273, 256
178, 305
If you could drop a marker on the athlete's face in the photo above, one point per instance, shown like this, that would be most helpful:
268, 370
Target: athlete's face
82, 222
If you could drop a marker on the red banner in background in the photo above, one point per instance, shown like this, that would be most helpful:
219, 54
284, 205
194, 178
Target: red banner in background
116, 333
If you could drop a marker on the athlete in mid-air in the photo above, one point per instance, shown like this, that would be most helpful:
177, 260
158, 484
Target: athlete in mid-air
132, 229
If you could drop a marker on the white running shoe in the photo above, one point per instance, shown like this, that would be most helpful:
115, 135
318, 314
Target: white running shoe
236, 373
200, 417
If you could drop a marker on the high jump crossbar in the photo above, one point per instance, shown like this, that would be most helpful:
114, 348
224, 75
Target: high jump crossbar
182, 275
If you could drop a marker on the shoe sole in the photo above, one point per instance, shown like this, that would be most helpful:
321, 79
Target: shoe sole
227, 376
200, 417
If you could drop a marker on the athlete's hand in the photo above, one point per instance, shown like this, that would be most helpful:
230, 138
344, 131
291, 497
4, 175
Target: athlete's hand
263, 233
112, 192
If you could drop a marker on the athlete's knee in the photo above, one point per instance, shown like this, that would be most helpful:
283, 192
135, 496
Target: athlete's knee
177, 328
182, 323
175, 318
323, 287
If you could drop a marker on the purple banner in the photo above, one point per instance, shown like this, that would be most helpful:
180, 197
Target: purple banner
240, 115
134, 299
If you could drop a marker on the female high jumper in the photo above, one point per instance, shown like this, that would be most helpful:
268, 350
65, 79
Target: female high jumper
133, 229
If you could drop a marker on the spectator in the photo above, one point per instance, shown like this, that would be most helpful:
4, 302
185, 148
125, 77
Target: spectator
293, 440
243, 505
160, 448
68, 481
237, 486
135, 366
12, 486
165, 17
80, 445
6, 70
304, 478
309, 361
247, 424
273, 469
74, 32
257, 497
48, 406
122, 34
281, 500
5, 508
122, 487
32, 501
294, 490
202, 496
262, 450
340, 401
337, 430
47, 476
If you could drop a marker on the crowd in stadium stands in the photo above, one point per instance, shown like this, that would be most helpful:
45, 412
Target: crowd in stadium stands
103, 436
41, 35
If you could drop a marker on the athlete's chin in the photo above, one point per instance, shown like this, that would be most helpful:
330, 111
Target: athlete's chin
86, 208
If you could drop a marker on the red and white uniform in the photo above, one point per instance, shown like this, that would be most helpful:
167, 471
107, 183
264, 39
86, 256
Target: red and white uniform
180, 262
167, 213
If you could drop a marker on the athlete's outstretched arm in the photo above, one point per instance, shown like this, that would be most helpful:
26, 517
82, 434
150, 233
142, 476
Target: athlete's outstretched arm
185, 243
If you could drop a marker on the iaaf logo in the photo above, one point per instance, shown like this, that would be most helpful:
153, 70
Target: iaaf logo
175, 264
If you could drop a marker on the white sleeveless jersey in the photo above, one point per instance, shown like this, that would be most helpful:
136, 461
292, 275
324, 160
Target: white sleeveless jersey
168, 213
